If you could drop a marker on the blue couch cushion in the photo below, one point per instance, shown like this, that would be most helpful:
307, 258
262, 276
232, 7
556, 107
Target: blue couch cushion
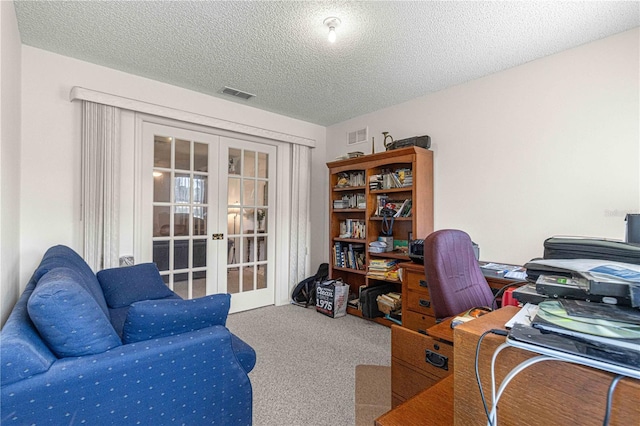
124, 286
68, 317
22, 351
63, 256
151, 319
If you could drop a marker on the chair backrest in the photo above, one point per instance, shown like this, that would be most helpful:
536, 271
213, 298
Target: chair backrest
453, 275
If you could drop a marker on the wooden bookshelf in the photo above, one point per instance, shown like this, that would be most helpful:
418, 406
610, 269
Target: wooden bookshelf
419, 224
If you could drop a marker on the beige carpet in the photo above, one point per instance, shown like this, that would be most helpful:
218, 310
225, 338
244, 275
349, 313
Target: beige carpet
373, 393
306, 363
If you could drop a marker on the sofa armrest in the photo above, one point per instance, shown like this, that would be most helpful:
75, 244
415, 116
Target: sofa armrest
192, 378
151, 319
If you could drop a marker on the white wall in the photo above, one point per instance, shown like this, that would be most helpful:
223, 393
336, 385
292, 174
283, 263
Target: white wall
50, 209
550, 147
10, 53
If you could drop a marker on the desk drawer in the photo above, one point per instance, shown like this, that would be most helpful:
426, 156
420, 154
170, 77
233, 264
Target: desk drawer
406, 381
419, 302
417, 321
412, 348
416, 282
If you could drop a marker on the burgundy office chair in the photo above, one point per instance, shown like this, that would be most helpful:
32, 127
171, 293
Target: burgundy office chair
454, 278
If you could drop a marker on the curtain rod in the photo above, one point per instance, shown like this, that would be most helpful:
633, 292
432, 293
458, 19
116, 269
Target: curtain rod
80, 93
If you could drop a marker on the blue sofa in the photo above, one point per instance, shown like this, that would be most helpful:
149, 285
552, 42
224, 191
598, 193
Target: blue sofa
119, 347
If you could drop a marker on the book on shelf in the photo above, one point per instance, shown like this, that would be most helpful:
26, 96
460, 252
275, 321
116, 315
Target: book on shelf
398, 178
404, 209
353, 228
351, 255
351, 201
347, 179
381, 201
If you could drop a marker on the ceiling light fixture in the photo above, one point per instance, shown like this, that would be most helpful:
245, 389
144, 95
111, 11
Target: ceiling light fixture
332, 23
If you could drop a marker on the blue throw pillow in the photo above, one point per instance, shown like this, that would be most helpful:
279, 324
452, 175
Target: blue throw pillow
159, 318
68, 317
64, 257
124, 286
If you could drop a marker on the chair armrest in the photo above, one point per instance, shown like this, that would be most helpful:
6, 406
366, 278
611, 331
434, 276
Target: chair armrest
192, 377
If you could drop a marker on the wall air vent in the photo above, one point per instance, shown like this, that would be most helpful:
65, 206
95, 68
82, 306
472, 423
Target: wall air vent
357, 136
237, 93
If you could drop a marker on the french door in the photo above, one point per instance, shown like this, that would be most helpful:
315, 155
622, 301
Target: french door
209, 204
249, 217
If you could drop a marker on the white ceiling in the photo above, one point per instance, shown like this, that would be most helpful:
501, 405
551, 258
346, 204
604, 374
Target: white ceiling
385, 53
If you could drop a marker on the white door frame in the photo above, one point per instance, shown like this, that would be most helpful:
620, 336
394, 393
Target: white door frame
283, 196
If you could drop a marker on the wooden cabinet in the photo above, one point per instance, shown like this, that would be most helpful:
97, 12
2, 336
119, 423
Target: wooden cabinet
417, 313
354, 219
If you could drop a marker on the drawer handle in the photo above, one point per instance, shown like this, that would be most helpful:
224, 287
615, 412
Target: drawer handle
421, 331
423, 283
424, 303
437, 360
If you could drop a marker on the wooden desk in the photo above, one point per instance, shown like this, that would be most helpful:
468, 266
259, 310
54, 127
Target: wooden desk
442, 331
547, 393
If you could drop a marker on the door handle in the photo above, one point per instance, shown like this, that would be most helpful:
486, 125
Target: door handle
217, 236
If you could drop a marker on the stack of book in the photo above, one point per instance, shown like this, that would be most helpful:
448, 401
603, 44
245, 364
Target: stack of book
389, 302
351, 201
375, 182
384, 269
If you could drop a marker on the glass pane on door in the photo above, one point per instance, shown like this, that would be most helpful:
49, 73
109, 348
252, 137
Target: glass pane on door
180, 213
247, 213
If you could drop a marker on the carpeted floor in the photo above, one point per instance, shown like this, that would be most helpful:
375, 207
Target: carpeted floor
306, 363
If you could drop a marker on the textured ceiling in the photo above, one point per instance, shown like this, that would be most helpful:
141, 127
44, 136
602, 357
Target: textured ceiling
385, 53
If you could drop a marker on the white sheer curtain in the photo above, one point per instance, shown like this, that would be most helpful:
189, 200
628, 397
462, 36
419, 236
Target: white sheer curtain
100, 184
300, 202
